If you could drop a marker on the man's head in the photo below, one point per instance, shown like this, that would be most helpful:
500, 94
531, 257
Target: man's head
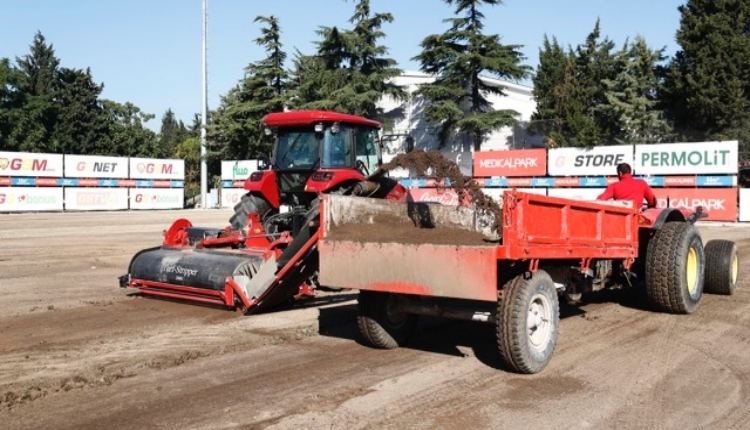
622, 169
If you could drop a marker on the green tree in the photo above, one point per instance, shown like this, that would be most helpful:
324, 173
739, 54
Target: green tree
37, 114
127, 133
190, 151
591, 125
572, 104
552, 91
458, 98
350, 71
235, 129
80, 125
172, 132
631, 95
10, 102
707, 86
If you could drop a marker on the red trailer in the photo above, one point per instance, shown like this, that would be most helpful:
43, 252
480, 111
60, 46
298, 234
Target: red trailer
411, 259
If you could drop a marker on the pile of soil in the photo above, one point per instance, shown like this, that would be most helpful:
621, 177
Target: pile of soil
441, 168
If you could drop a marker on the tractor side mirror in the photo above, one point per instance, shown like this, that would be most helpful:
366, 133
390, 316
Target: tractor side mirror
264, 162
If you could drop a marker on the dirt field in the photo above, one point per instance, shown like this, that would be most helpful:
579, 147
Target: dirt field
77, 352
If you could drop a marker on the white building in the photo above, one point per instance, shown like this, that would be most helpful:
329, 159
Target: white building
409, 119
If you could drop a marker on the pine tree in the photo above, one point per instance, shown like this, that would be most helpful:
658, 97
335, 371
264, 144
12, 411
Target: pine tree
551, 91
571, 96
37, 113
172, 132
707, 88
235, 130
350, 72
631, 95
10, 102
80, 125
458, 97
127, 133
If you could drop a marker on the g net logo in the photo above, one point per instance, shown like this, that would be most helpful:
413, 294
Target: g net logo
96, 166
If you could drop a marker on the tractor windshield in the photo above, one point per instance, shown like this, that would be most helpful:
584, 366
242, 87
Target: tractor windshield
297, 149
337, 146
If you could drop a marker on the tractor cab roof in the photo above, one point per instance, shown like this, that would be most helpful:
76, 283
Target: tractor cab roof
309, 117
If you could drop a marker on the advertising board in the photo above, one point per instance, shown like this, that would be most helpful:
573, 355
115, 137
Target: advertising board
703, 158
157, 198
237, 170
519, 162
744, 204
231, 196
96, 199
95, 166
31, 199
597, 161
720, 203
31, 164
152, 168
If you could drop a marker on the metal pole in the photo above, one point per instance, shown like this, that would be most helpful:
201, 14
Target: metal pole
204, 115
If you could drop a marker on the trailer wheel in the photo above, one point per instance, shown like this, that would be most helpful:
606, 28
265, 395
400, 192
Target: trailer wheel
722, 266
249, 204
528, 318
675, 263
380, 323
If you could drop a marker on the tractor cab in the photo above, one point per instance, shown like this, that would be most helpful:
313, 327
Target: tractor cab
315, 152
327, 146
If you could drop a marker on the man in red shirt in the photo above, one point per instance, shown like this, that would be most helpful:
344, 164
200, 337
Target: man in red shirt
629, 188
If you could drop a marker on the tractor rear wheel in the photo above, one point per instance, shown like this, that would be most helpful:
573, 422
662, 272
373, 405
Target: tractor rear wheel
250, 203
528, 318
675, 263
381, 324
722, 266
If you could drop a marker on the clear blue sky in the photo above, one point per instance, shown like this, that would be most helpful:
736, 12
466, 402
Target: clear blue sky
148, 52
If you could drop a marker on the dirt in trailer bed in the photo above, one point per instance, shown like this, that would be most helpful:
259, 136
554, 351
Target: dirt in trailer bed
77, 352
392, 229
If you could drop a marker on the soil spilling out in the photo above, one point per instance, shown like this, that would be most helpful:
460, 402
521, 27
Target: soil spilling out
440, 168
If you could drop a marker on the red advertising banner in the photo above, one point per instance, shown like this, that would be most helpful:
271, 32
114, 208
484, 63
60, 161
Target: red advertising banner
443, 196
520, 162
719, 203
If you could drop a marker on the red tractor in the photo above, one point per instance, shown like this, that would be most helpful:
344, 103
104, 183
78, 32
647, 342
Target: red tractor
268, 255
315, 152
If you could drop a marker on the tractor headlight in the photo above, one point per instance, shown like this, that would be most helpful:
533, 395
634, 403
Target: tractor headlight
319, 127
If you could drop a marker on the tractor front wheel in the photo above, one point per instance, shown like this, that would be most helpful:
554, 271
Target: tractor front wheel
722, 266
675, 263
528, 317
381, 323
249, 204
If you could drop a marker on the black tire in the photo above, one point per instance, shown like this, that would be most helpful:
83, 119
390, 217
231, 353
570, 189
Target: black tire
381, 325
250, 203
524, 347
722, 266
675, 262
